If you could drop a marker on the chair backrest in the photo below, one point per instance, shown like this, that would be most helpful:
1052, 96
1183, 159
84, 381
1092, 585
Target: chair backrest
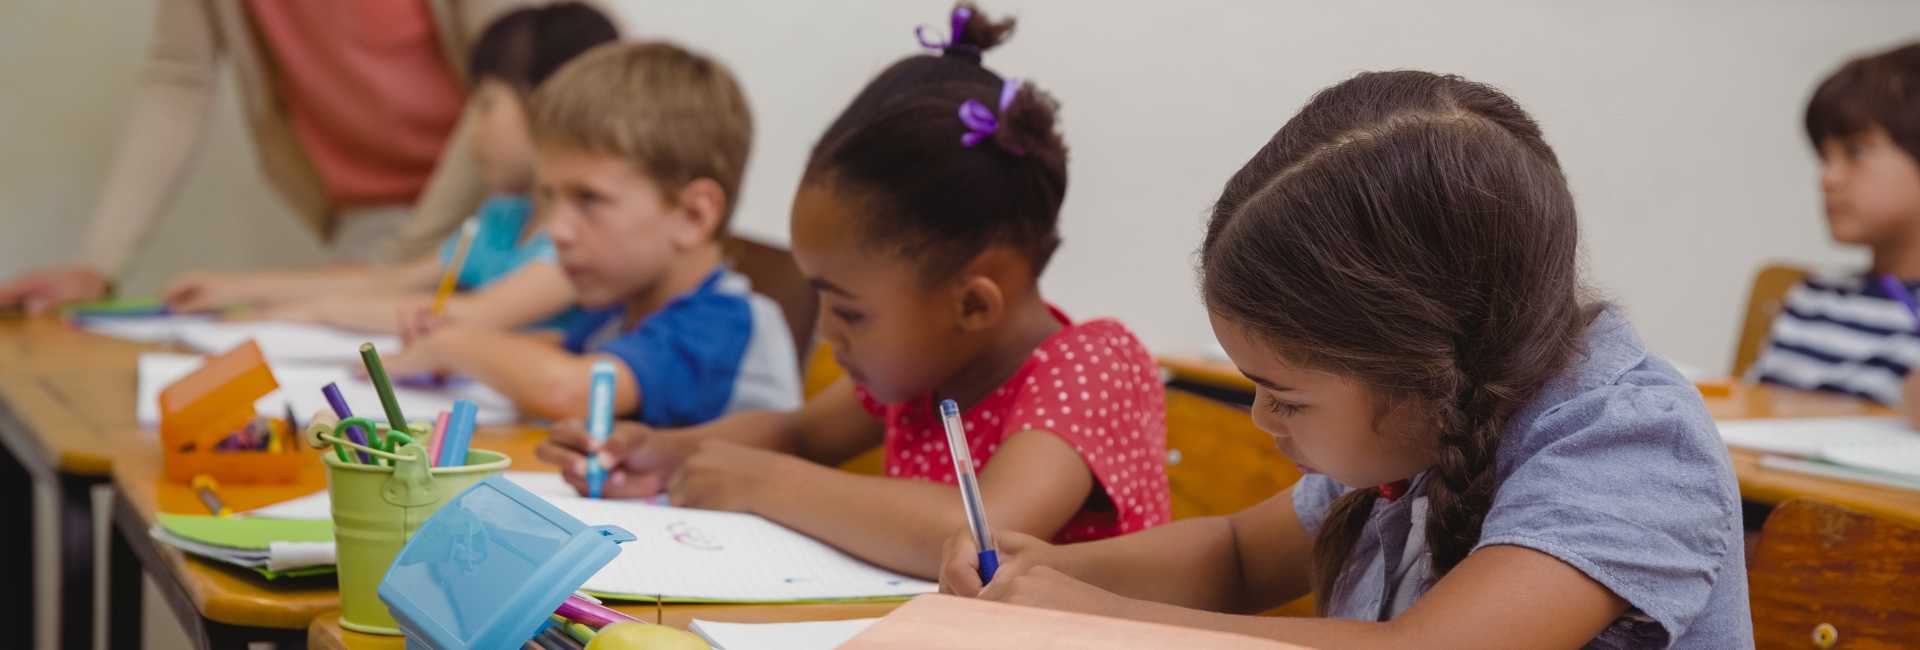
1819, 565
1218, 462
1764, 301
774, 275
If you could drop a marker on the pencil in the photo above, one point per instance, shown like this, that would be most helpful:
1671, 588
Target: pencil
455, 264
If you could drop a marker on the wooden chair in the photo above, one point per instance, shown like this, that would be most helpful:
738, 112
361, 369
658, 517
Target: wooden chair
1219, 463
1764, 302
1820, 568
774, 275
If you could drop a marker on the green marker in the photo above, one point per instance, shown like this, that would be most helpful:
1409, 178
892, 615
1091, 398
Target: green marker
396, 421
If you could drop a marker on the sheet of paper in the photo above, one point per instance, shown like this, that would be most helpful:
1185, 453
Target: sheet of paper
811, 635
686, 554
143, 329
300, 385
285, 342
1900, 459
1809, 437
547, 485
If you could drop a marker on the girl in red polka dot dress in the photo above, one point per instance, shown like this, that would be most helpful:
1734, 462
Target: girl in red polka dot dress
926, 215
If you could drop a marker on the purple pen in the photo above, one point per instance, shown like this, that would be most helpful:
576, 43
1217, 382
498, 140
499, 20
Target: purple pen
1898, 291
339, 404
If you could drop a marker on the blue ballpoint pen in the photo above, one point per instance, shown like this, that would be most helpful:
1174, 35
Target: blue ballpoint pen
969, 489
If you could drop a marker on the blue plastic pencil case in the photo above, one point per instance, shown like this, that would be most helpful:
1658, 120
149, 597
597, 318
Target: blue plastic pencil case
490, 566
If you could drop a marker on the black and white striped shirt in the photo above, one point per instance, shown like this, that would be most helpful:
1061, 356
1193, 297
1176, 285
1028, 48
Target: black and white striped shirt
1843, 334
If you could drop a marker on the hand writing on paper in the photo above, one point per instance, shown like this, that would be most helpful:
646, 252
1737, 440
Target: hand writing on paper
416, 319
1024, 577
960, 570
723, 475
639, 459
45, 290
204, 291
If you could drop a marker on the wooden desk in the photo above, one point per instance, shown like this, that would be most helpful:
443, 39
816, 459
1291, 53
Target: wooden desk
64, 397
222, 606
1745, 401
326, 634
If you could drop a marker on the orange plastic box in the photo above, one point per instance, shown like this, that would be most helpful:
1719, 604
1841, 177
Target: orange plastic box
205, 407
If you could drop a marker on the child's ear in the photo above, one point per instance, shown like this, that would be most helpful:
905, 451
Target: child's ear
703, 204
982, 303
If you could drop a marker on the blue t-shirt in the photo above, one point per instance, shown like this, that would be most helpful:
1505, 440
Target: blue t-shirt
499, 249
1614, 468
718, 349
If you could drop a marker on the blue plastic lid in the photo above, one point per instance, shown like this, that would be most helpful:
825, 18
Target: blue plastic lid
490, 566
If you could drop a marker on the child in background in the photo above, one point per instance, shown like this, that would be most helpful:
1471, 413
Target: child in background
1856, 333
640, 149
509, 277
1494, 463
925, 232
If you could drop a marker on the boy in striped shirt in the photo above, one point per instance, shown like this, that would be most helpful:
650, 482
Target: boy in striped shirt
1860, 333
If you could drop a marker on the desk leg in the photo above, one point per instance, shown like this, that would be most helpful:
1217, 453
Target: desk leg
125, 595
16, 549
76, 560
134, 549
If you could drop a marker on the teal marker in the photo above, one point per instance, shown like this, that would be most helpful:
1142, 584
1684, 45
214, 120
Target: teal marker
599, 422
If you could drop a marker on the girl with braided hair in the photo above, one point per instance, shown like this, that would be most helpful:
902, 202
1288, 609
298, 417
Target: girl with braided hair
1492, 460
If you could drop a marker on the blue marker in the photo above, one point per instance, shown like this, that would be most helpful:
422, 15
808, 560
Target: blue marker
453, 452
599, 422
969, 489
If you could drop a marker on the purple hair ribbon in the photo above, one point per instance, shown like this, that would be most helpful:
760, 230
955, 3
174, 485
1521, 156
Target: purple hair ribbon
981, 123
960, 17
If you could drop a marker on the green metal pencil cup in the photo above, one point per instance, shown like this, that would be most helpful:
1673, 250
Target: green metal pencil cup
378, 506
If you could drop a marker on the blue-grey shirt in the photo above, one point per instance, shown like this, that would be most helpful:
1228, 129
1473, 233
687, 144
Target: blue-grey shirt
1614, 468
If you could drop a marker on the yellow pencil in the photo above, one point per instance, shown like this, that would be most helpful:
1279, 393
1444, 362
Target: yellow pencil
454, 265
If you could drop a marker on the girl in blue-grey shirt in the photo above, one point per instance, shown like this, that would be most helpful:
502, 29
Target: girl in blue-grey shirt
1492, 461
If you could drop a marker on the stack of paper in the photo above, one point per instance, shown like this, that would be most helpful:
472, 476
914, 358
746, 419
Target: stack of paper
1876, 449
300, 386
279, 342
812, 635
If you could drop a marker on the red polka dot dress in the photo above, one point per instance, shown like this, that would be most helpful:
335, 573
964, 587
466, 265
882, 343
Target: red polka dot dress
1091, 384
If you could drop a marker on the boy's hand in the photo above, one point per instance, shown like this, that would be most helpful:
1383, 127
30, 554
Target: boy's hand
203, 291
45, 290
416, 318
960, 570
724, 475
421, 358
639, 459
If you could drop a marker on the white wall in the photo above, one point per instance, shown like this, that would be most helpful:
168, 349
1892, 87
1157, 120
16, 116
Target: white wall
1677, 122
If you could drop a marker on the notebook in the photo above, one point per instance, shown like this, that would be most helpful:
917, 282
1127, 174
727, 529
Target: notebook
811, 635
300, 385
1810, 436
1882, 445
687, 555
271, 547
